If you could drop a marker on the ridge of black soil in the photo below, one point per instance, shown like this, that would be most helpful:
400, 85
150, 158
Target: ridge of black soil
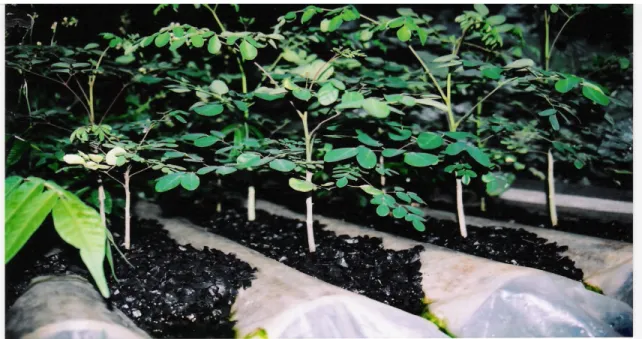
507, 245
496, 209
358, 264
171, 291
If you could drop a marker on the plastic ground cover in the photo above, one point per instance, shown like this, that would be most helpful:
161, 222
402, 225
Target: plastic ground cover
285, 303
607, 264
57, 307
476, 297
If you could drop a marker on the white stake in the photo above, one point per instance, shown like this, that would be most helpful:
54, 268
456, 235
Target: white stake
460, 211
312, 247
251, 204
552, 208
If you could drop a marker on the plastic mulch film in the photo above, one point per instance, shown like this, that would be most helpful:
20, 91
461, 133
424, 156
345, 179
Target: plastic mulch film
476, 297
57, 307
607, 264
285, 303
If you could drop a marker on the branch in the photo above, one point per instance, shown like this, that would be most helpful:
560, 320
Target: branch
423, 64
143, 170
323, 122
266, 74
550, 52
112, 102
470, 112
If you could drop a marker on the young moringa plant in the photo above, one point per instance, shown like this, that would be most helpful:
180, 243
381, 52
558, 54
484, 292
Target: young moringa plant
240, 46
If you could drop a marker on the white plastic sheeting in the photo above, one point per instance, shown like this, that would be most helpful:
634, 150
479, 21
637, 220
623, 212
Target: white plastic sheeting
57, 307
476, 297
286, 303
607, 264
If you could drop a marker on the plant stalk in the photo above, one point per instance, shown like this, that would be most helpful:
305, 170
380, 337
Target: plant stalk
219, 205
383, 177
547, 52
308, 178
461, 218
128, 204
251, 204
552, 208
480, 144
101, 200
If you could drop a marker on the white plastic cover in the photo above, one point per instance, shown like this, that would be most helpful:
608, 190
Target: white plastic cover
477, 297
607, 264
286, 303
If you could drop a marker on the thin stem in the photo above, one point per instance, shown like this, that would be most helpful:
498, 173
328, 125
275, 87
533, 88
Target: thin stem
112, 103
550, 52
547, 55
59, 82
451, 117
220, 24
472, 110
459, 42
323, 122
423, 64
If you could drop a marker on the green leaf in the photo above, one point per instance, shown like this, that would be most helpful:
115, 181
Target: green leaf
403, 135
554, 123
521, 63
197, 41
206, 141
567, 84
11, 183
339, 154
403, 196
351, 100
270, 94
418, 225
481, 9
366, 157
190, 181
492, 72
496, 20
302, 94
371, 190
161, 39
214, 45
300, 185
205, 170
343, 182
547, 112
429, 140
367, 140
307, 15
16, 152
420, 159
376, 108
328, 94
455, 148
30, 212
383, 210
389, 152
404, 33
399, 212
578, 163
80, 226
554, 8
624, 63
209, 110
248, 159
433, 103
282, 165
416, 198
168, 182
225, 170
219, 87
594, 94
479, 156
248, 52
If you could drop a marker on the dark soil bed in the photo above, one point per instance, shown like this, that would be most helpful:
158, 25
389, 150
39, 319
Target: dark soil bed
498, 210
358, 264
507, 245
171, 291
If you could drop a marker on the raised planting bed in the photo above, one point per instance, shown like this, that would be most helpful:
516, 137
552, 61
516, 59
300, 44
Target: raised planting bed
475, 297
284, 302
504, 210
607, 264
358, 264
170, 291
507, 245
